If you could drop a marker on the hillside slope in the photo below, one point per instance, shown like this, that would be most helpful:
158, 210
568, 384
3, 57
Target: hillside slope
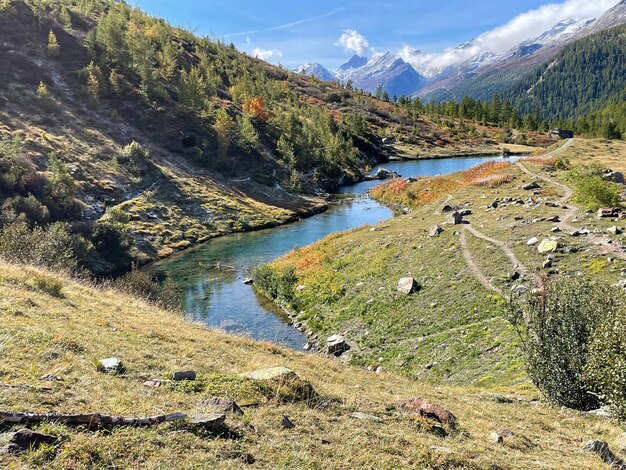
50, 326
454, 329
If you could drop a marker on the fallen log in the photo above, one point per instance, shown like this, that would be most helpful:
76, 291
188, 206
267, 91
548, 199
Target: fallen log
94, 419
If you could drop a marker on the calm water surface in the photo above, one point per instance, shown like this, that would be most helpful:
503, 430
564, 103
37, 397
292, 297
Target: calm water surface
219, 298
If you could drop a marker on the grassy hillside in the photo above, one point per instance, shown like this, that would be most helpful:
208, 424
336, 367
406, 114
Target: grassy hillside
221, 142
54, 326
454, 329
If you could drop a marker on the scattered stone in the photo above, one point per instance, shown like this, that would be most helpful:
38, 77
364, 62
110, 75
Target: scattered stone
496, 438
532, 241
428, 410
447, 208
225, 405
111, 365
435, 231
184, 375
554, 219
26, 440
607, 212
365, 416
51, 378
465, 212
209, 422
531, 186
308, 346
515, 276
552, 204
336, 345
547, 264
547, 246
300, 288
408, 285
152, 383
286, 423
602, 449
555, 230
455, 218
614, 230
519, 289
248, 281
493, 205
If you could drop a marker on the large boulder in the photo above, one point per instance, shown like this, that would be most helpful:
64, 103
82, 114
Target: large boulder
455, 218
615, 176
180, 375
531, 186
602, 450
111, 365
408, 285
428, 410
548, 246
383, 174
336, 345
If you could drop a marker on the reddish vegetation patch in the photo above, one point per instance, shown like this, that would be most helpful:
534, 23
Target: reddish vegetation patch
483, 170
427, 190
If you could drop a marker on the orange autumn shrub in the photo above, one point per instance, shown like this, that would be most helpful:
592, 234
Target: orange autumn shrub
256, 108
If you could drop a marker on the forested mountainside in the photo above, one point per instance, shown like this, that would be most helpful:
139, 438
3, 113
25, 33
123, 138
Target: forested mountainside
132, 132
585, 80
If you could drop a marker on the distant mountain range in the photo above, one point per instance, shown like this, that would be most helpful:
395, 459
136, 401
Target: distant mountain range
473, 77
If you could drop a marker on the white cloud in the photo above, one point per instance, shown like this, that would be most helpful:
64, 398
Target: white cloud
351, 40
267, 54
501, 39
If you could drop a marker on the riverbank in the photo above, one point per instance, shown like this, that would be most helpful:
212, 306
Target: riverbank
219, 297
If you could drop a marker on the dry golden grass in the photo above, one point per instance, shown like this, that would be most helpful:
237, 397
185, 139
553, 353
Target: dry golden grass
51, 325
611, 153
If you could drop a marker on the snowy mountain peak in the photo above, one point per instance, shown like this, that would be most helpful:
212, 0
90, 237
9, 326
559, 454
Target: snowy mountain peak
354, 62
384, 69
316, 70
560, 33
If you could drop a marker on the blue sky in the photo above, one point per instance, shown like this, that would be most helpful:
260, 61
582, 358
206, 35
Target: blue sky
294, 32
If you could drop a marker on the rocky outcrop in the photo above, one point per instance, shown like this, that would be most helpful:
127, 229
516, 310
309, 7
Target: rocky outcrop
382, 174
